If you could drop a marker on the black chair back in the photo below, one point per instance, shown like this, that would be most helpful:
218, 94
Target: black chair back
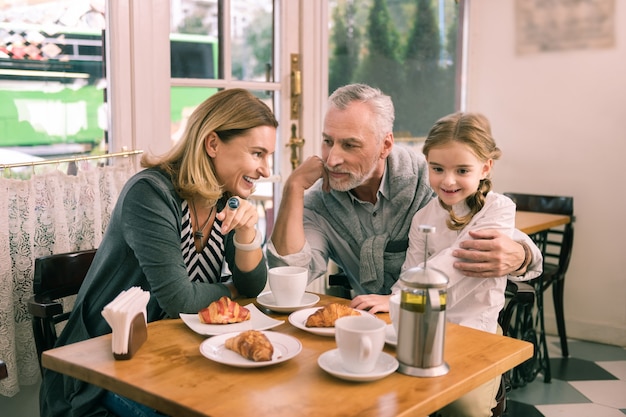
56, 276
543, 203
556, 244
516, 320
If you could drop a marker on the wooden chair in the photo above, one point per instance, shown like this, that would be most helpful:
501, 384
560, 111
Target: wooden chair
3, 370
556, 245
56, 276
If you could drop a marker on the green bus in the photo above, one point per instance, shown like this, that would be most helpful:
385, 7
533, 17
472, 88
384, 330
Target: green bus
53, 87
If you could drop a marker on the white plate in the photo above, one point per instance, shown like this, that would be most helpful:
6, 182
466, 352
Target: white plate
285, 347
298, 319
258, 321
330, 361
266, 299
390, 335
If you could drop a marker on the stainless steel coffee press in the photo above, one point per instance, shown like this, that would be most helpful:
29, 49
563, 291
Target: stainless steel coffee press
422, 320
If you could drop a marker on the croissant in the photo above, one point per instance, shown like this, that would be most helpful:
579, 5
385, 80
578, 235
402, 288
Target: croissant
326, 316
251, 344
223, 311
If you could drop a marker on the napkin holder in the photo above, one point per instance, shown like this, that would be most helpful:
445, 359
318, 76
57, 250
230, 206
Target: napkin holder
138, 334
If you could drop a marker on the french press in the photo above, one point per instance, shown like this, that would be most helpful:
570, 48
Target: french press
422, 320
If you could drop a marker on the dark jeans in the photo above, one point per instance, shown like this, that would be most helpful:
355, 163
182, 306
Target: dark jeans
124, 407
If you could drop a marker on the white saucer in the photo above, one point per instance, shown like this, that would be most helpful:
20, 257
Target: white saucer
330, 361
391, 338
266, 299
285, 347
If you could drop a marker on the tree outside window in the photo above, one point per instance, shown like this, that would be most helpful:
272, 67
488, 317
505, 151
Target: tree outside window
407, 48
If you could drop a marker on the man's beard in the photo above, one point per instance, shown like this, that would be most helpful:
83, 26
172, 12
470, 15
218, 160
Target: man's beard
353, 181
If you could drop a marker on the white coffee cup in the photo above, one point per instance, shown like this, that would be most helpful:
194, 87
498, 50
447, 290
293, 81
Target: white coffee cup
360, 340
394, 311
288, 284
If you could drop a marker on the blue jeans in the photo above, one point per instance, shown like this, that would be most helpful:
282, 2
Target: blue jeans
124, 407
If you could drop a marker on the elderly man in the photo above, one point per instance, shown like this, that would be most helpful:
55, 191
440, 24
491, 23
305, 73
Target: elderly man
359, 216
360, 213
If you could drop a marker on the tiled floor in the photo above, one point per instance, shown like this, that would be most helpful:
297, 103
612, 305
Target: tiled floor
590, 382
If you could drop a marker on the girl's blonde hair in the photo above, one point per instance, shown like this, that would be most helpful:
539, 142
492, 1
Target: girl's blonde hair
229, 113
474, 131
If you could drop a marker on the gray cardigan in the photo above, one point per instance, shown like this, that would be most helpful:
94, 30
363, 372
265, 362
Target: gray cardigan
380, 256
141, 247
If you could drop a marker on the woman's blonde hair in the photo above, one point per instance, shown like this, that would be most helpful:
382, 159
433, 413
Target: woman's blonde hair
229, 113
474, 131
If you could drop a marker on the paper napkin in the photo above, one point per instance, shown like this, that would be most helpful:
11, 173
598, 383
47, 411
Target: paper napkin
121, 312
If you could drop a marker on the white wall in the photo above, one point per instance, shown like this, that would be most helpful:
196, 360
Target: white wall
560, 120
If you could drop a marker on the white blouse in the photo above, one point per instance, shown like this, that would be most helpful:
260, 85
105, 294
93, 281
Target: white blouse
472, 302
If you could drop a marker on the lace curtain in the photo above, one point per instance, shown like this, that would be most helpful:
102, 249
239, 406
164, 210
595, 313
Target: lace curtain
50, 212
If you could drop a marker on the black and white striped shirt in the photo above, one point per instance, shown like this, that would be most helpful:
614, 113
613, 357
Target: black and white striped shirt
205, 266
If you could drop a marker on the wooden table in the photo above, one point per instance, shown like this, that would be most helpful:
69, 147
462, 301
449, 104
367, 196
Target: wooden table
531, 222
169, 373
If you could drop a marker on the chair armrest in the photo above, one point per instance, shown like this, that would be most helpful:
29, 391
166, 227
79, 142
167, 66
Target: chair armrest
523, 292
339, 279
44, 307
519, 294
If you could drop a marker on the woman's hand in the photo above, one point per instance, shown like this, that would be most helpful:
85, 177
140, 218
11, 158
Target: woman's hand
243, 219
374, 303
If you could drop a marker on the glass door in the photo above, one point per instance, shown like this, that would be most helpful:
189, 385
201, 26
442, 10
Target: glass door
169, 55
221, 44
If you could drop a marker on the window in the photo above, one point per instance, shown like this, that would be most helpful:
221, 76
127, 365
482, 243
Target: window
52, 85
407, 48
244, 54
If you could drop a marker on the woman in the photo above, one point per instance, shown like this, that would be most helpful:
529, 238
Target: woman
175, 226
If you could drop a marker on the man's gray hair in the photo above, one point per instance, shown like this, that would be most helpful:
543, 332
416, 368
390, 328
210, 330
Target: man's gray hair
380, 104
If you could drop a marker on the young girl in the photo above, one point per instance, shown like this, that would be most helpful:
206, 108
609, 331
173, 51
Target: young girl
460, 152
